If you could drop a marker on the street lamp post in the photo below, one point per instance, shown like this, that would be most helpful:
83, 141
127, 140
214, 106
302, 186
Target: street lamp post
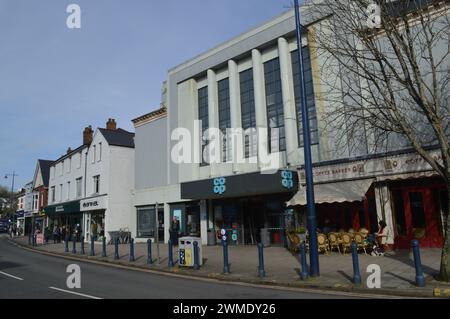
11, 199
312, 227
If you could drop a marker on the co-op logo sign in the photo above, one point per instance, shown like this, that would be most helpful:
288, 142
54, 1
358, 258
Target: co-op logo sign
219, 185
287, 179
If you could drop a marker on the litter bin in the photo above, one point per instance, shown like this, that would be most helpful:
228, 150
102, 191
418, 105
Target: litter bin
186, 251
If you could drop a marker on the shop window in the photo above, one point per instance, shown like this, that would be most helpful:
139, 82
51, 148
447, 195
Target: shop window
417, 214
146, 222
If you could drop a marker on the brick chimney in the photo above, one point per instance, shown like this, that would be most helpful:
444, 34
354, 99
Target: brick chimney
88, 135
111, 124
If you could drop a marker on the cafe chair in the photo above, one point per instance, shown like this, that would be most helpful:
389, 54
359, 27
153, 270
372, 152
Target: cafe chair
346, 239
334, 242
361, 242
322, 242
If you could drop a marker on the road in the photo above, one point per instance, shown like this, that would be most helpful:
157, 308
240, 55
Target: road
27, 274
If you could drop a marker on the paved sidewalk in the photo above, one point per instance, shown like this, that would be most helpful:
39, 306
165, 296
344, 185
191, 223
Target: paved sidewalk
282, 267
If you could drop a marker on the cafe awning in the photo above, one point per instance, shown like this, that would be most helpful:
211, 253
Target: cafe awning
337, 192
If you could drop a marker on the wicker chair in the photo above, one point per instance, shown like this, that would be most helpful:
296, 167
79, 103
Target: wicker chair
322, 243
334, 241
346, 241
361, 242
294, 242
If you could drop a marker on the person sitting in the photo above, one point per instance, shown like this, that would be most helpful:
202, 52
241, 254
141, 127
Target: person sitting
381, 239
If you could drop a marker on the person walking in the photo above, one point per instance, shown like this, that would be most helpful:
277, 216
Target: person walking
55, 234
174, 230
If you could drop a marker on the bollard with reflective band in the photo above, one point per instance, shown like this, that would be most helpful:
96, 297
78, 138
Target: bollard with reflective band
92, 253
82, 252
356, 273
261, 270
170, 263
103, 246
116, 249
304, 272
66, 249
74, 246
196, 256
132, 249
420, 279
149, 252
226, 265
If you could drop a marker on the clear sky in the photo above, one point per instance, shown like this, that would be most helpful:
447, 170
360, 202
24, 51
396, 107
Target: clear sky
55, 81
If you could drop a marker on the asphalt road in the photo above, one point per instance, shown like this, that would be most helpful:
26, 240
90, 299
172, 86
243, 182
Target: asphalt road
27, 274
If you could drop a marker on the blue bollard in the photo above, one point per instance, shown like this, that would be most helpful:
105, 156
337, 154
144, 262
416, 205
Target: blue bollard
356, 274
66, 250
304, 272
74, 246
116, 249
226, 265
104, 247
29, 240
92, 253
149, 252
170, 264
261, 271
196, 256
82, 252
420, 279
132, 250
34, 240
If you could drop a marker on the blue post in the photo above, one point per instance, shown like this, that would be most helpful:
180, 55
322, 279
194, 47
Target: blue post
74, 246
226, 265
261, 271
104, 247
66, 250
116, 249
420, 279
149, 252
196, 256
29, 239
356, 274
34, 240
304, 272
311, 209
92, 253
82, 252
132, 249
170, 264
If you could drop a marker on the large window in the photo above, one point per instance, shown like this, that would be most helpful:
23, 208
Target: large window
146, 219
53, 194
223, 88
274, 102
68, 190
203, 117
248, 116
97, 184
60, 192
310, 101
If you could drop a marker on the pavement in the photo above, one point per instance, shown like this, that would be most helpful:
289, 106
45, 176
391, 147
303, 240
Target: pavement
27, 274
282, 268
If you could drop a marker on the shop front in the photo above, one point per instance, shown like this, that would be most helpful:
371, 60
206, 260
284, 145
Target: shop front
65, 214
249, 207
20, 222
94, 210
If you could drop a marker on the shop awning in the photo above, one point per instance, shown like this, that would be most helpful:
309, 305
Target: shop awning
63, 208
337, 192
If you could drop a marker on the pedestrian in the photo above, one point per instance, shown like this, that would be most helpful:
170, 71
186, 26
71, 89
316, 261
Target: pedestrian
55, 234
78, 232
64, 233
174, 230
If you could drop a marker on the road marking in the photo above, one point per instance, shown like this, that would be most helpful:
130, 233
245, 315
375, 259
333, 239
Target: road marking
8, 275
75, 293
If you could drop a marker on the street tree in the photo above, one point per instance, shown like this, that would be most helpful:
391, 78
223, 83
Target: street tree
385, 80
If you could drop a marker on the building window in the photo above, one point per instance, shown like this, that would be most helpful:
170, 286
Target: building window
310, 101
94, 150
68, 190
97, 184
274, 102
99, 152
60, 192
146, 219
79, 161
53, 194
79, 186
223, 89
248, 116
42, 200
203, 117
35, 201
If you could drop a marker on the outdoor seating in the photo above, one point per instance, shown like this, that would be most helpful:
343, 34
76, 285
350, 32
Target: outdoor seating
322, 242
334, 241
346, 242
361, 242
294, 242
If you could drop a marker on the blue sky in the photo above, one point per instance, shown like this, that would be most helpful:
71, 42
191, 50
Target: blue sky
55, 81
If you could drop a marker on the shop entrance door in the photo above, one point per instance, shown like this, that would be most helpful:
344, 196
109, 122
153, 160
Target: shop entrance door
419, 218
